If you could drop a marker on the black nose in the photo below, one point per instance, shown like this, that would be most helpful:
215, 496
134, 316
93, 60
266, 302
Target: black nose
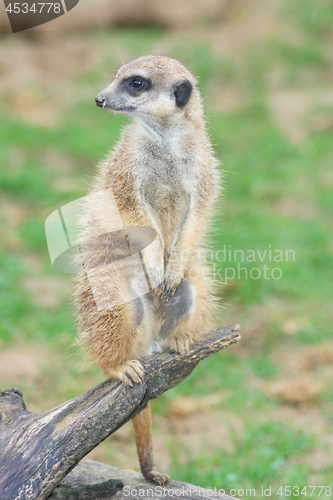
100, 101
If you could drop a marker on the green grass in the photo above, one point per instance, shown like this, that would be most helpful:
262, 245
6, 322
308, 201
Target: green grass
315, 18
15, 302
269, 444
265, 172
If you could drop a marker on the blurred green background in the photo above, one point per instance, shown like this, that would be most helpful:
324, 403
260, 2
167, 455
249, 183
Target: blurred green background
260, 413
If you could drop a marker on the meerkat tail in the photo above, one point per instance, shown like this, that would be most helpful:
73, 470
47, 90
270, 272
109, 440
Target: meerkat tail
142, 423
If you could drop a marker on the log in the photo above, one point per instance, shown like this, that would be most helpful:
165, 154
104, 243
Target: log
92, 480
37, 450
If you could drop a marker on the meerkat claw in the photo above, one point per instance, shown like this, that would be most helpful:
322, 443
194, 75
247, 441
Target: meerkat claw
158, 478
165, 292
180, 344
135, 371
127, 380
130, 372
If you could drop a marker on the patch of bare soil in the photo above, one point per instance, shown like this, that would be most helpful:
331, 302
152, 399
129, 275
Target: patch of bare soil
37, 77
288, 107
204, 432
225, 98
247, 23
319, 458
30, 79
307, 418
12, 215
11, 211
64, 165
256, 329
291, 207
184, 406
47, 291
21, 363
302, 390
55, 158
306, 359
306, 374
316, 356
30, 70
297, 110
108, 13
291, 326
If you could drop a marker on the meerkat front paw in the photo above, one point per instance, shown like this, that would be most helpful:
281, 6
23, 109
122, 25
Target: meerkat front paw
131, 371
166, 290
180, 344
157, 477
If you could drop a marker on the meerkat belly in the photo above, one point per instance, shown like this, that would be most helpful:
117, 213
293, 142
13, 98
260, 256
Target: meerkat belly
168, 202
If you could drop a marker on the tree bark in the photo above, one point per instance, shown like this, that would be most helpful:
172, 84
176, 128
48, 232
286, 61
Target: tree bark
92, 480
37, 450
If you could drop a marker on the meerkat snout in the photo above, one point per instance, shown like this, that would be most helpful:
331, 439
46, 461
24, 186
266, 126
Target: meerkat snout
153, 88
100, 101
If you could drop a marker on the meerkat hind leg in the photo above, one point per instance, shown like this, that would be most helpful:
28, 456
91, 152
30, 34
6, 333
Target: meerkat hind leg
131, 370
144, 443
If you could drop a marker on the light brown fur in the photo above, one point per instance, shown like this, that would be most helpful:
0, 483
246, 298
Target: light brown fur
163, 175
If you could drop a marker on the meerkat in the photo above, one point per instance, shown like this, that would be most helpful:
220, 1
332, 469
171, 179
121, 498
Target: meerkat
163, 175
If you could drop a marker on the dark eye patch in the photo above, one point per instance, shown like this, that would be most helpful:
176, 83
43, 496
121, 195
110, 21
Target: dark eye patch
136, 84
182, 92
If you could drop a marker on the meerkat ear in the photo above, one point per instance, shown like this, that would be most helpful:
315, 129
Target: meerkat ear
182, 92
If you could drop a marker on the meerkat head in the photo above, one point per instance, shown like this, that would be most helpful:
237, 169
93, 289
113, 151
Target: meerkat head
155, 88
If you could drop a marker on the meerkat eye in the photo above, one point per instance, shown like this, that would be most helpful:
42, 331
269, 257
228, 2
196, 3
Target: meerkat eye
136, 84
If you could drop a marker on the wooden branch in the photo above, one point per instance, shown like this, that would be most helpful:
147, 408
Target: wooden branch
92, 480
37, 450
